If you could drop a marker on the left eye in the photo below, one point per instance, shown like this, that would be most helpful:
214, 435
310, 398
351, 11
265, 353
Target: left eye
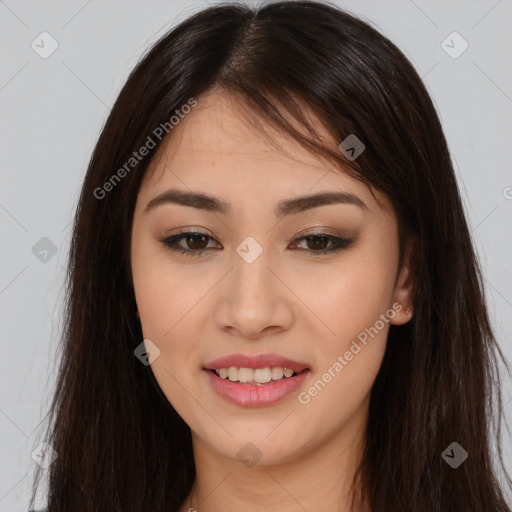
197, 242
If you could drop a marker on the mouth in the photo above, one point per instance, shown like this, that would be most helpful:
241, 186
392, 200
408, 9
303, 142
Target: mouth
255, 381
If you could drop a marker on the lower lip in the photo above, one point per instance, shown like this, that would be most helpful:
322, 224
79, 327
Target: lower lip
256, 396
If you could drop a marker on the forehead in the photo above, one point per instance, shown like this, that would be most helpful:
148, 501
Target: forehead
221, 146
222, 129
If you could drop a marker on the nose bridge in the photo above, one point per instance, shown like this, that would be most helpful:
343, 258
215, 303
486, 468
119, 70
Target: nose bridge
251, 275
250, 299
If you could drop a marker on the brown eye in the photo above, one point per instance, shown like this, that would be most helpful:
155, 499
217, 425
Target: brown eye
196, 241
317, 243
321, 243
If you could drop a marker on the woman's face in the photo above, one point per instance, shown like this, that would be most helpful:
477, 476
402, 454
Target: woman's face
262, 291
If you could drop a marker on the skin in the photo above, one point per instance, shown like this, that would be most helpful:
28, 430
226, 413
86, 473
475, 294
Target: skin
290, 302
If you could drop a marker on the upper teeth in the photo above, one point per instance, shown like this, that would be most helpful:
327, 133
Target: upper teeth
259, 375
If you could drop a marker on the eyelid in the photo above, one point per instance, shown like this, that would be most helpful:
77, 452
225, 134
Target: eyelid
317, 231
314, 231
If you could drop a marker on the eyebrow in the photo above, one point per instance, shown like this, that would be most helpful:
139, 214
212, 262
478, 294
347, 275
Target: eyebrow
286, 207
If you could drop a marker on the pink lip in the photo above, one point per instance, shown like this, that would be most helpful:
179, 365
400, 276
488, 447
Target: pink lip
247, 395
257, 361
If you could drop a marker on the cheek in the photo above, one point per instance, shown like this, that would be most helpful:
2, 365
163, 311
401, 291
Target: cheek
165, 300
155, 302
350, 353
162, 291
353, 302
351, 297
166, 306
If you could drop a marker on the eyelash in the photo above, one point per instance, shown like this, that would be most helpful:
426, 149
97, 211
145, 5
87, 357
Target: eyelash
339, 243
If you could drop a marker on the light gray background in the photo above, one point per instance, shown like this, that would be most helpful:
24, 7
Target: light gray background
51, 114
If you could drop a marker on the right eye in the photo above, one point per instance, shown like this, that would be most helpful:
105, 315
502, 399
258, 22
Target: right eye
195, 240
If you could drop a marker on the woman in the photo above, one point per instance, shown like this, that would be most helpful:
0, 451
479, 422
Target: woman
274, 302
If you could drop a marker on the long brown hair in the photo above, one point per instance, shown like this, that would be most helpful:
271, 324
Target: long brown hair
121, 446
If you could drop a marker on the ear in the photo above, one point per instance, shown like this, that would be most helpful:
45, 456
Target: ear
404, 287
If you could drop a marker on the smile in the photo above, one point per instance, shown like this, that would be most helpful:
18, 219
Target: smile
252, 393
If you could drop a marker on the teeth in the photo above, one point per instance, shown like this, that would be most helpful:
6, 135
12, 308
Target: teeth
277, 373
256, 376
245, 374
288, 372
263, 375
232, 373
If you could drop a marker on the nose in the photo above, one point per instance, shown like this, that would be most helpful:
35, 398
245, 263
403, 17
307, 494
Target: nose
254, 302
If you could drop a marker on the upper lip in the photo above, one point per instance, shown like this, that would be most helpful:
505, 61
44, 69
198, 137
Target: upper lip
255, 361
